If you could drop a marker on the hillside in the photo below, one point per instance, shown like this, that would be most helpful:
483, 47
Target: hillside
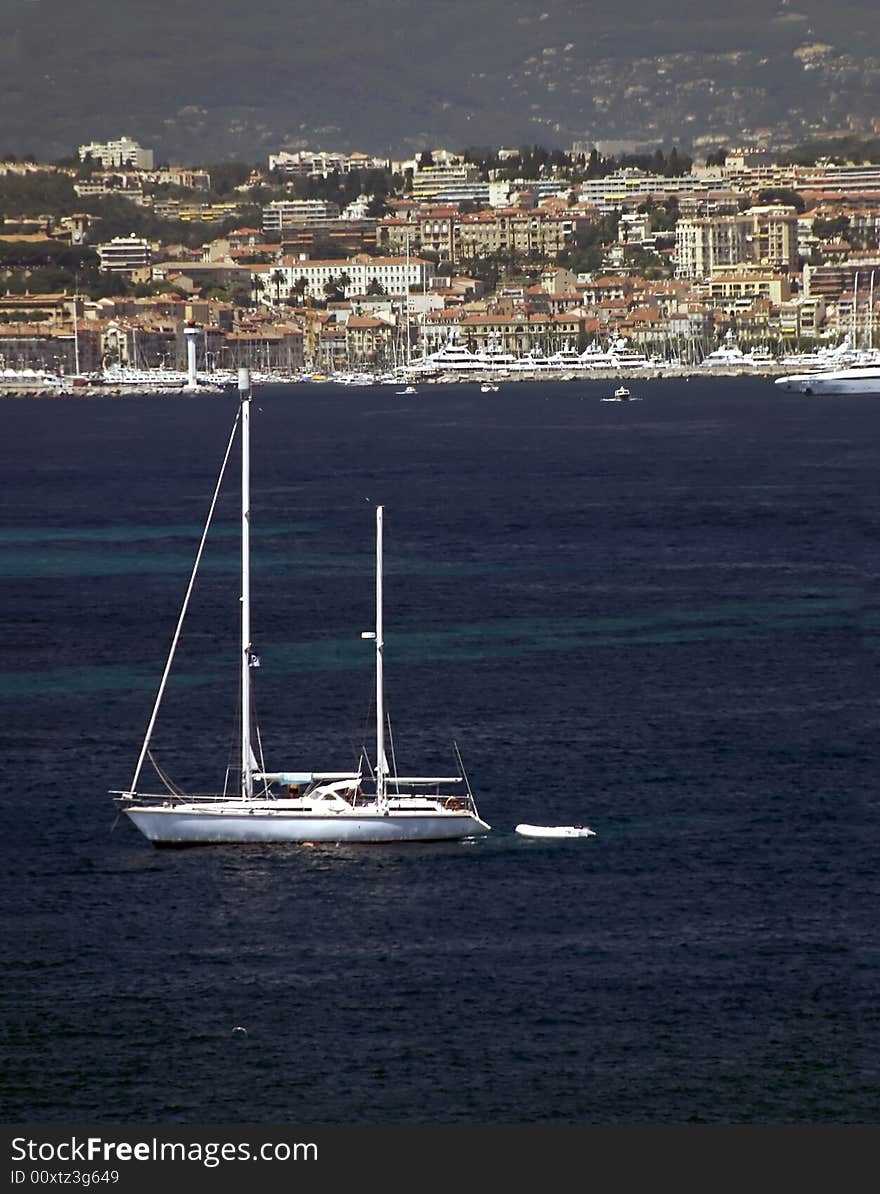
200, 81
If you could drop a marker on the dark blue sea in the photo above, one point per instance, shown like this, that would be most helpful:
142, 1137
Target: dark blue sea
659, 619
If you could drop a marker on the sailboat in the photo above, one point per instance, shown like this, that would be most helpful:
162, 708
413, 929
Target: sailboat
371, 804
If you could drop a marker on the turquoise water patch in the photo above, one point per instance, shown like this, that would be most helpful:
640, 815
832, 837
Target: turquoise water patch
10, 536
472, 641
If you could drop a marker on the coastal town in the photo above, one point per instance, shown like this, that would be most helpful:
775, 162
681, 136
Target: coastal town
122, 274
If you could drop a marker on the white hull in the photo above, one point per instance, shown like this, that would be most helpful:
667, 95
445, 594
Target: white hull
839, 381
191, 825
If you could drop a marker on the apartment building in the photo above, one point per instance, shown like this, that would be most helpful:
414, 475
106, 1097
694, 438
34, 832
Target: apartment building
123, 152
766, 235
516, 231
430, 181
194, 213
772, 235
704, 244
744, 284
307, 163
626, 189
182, 176
831, 281
123, 254
288, 213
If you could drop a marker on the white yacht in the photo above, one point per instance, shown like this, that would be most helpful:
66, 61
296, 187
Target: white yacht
624, 357
451, 357
566, 358
132, 377
496, 358
533, 362
728, 355
857, 379
760, 358
596, 357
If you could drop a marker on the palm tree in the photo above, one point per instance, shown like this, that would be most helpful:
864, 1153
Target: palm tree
278, 280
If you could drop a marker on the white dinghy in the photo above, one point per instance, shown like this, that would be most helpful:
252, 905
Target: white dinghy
555, 831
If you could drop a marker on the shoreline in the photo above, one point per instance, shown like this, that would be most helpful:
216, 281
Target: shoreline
686, 373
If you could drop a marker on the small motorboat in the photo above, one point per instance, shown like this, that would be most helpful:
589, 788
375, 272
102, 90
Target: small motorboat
555, 831
488, 388
407, 390
621, 394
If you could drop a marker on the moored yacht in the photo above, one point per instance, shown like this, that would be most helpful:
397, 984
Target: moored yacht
132, 376
857, 379
566, 358
533, 362
596, 357
624, 357
728, 355
760, 358
496, 358
451, 357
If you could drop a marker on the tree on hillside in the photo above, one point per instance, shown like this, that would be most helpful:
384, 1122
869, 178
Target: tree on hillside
834, 229
782, 195
37, 192
226, 176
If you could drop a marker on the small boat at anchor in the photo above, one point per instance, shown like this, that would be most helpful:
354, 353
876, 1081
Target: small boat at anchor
525, 830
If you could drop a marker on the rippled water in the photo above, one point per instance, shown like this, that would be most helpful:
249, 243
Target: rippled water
659, 619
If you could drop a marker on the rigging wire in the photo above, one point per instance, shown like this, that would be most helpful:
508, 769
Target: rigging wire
184, 607
166, 780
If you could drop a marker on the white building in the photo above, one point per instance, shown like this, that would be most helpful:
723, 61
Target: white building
765, 235
125, 253
628, 188
429, 182
305, 163
353, 275
705, 244
123, 152
285, 213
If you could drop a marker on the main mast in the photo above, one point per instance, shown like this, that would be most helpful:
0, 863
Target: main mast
381, 765
244, 390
